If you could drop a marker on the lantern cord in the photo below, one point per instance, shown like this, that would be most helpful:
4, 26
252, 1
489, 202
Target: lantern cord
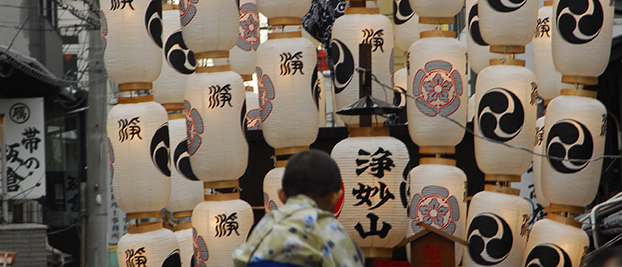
576, 161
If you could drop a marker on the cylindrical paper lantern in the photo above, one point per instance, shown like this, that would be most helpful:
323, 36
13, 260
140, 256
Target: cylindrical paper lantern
178, 61
477, 49
132, 39
405, 24
283, 8
242, 55
574, 130
285, 70
507, 24
371, 169
186, 188
437, 80
271, 184
253, 112
349, 31
209, 25
186, 246
437, 198
497, 230
556, 244
537, 161
438, 9
582, 31
139, 138
505, 112
152, 248
401, 87
213, 109
319, 96
549, 79
219, 228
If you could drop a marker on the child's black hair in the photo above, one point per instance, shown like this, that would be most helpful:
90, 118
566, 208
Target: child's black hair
312, 173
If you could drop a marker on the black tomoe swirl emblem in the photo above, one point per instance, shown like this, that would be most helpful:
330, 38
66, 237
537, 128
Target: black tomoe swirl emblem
547, 255
490, 239
506, 5
572, 141
160, 149
181, 159
316, 90
474, 26
343, 63
173, 260
153, 21
500, 114
177, 54
402, 12
579, 21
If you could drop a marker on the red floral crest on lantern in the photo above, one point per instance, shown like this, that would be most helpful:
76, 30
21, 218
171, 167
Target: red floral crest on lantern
194, 127
187, 11
434, 206
248, 36
266, 94
201, 255
437, 89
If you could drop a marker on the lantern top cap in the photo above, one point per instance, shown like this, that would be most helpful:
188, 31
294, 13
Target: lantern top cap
369, 105
578, 92
548, 3
362, 10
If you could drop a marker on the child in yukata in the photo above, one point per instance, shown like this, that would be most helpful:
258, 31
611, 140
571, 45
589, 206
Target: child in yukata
304, 231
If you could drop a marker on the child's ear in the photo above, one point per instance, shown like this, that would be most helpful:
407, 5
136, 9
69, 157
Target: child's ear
282, 195
335, 197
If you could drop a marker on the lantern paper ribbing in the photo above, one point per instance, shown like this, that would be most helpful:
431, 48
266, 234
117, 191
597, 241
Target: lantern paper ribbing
209, 25
219, 227
186, 246
139, 138
477, 49
505, 112
154, 248
436, 80
497, 230
271, 185
349, 31
132, 40
213, 109
555, 243
405, 24
574, 130
507, 23
537, 161
186, 189
582, 49
549, 79
438, 199
289, 111
283, 8
242, 55
437, 8
377, 221
401, 85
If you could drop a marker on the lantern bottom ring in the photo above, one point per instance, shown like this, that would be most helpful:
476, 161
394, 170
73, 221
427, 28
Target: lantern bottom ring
579, 92
144, 227
565, 220
507, 49
377, 253
182, 214
502, 178
146, 214
561, 208
575, 79
437, 150
182, 226
436, 20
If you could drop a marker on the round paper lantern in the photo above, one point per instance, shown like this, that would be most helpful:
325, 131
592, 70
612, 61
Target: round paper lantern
186, 188
371, 169
149, 245
478, 50
253, 112
356, 26
438, 190
283, 9
574, 130
139, 138
405, 24
549, 79
289, 112
556, 243
271, 185
242, 55
319, 95
186, 245
401, 87
438, 11
213, 108
506, 113
437, 80
219, 227
497, 230
209, 25
507, 25
581, 38
537, 161
132, 40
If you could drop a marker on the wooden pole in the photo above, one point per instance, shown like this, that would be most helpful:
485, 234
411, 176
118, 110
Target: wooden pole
365, 79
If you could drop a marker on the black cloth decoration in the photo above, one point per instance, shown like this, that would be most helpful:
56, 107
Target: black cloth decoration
320, 18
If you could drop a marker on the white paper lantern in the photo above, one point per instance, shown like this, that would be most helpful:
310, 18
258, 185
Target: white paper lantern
497, 230
505, 112
438, 199
139, 138
209, 25
507, 23
283, 8
537, 161
213, 109
557, 244
132, 40
478, 50
319, 96
186, 246
349, 31
253, 112
153, 248
437, 80
376, 222
242, 55
400, 85
271, 184
437, 9
574, 129
285, 70
186, 188
582, 49
405, 24
549, 79
219, 228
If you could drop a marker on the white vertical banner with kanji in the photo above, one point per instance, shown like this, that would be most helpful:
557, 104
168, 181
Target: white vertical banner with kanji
25, 147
